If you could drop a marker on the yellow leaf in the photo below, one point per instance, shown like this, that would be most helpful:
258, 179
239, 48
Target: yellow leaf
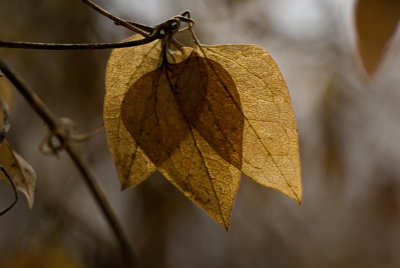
376, 21
180, 123
202, 116
270, 144
20, 172
123, 67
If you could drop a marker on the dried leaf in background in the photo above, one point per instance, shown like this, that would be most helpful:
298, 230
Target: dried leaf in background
376, 21
5, 102
6, 90
201, 117
21, 173
4, 122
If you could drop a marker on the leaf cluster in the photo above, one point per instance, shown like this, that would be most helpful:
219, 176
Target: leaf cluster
201, 116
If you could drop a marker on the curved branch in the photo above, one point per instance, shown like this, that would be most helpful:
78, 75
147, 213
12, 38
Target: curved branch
51, 121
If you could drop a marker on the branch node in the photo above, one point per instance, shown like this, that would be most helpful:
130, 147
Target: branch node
63, 134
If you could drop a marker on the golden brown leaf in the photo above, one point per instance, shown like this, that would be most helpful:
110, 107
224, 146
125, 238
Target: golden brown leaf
201, 118
21, 173
125, 66
376, 21
270, 145
180, 122
184, 158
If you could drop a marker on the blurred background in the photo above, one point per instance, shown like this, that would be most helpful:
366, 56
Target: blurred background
349, 131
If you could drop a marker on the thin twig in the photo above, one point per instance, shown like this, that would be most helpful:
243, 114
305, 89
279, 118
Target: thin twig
144, 30
150, 34
55, 46
51, 121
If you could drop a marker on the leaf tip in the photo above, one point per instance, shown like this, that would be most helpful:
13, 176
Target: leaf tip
296, 194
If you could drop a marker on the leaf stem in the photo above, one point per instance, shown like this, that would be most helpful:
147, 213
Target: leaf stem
51, 121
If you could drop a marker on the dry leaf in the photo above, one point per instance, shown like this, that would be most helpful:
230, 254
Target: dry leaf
133, 166
21, 173
163, 111
270, 144
5, 102
6, 90
201, 118
18, 170
376, 21
201, 102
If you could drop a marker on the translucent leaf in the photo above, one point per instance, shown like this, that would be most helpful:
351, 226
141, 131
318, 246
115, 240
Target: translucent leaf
201, 116
204, 96
125, 66
270, 144
180, 122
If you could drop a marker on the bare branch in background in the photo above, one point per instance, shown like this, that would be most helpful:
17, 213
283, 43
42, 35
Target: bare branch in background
52, 123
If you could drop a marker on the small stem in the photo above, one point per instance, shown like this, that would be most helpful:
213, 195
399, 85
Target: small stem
51, 121
138, 28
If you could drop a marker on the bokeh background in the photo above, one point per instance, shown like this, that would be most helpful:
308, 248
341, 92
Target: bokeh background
349, 131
